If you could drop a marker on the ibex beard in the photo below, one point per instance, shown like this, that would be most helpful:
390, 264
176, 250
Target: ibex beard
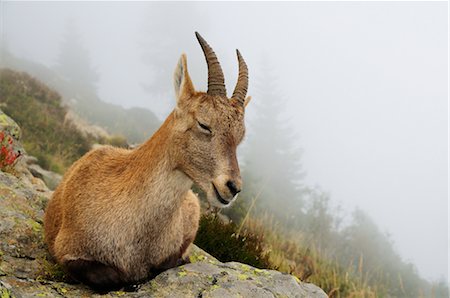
120, 215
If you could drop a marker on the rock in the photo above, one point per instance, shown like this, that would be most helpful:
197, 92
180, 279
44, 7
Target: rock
29, 160
86, 129
9, 126
26, 164
216, 279
51, 179
26, 269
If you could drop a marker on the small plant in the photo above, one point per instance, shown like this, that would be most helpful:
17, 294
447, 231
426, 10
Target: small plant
223, 242
7, 155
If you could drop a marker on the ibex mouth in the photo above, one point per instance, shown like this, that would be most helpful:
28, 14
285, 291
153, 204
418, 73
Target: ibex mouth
219, 198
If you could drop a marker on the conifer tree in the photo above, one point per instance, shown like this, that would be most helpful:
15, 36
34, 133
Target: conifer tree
272, 172
73, 62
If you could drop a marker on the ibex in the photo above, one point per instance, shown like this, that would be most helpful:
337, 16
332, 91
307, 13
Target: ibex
119, 215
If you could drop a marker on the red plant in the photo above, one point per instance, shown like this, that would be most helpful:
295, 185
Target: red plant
7, 155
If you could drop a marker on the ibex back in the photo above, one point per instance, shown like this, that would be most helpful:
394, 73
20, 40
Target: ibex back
119, 215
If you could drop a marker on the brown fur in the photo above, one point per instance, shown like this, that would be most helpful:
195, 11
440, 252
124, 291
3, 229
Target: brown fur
119, 214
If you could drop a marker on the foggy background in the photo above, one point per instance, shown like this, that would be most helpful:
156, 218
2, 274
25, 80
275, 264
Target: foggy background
363, 87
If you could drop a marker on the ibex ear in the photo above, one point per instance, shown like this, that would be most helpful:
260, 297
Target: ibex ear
182, 81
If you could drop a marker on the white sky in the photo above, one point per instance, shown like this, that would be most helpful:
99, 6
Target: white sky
366, 83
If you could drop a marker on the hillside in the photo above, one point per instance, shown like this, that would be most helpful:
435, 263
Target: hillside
38, 110
135, 124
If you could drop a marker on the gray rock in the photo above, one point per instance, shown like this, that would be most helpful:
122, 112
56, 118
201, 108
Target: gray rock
26, 269
51, 179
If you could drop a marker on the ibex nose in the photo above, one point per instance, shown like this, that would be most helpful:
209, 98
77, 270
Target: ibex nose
233, 188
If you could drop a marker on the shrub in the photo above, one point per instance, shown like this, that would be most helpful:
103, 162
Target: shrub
7, 155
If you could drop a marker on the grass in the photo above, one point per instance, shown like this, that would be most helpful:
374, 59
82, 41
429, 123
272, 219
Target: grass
290, 253
223, 241
263, 243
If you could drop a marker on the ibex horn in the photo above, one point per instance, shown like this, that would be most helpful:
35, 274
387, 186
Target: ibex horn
216, 80
242, 84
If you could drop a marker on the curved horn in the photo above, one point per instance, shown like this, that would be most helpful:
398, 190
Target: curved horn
240, 91
216, 80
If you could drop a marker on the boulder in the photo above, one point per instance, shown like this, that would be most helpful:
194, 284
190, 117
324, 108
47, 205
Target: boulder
51, 179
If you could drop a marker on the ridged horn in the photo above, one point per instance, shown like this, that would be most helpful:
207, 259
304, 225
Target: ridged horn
216, 80
240, 91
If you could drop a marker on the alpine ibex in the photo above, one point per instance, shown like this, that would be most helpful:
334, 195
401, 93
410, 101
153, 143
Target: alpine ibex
119, 214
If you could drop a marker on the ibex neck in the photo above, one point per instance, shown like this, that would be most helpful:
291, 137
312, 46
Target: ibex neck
158, 149
154, 167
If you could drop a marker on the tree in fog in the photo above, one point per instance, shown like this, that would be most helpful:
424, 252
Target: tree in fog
320, 222
73, 62
373, 257
272, 171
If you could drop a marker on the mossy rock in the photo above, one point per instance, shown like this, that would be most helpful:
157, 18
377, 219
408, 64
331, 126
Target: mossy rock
9, 126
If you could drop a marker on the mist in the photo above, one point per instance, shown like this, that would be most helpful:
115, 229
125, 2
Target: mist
363, 89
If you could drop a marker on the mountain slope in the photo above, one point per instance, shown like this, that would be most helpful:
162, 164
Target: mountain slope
135, 124
38, 111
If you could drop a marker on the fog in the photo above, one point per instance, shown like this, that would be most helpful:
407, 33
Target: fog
365, 88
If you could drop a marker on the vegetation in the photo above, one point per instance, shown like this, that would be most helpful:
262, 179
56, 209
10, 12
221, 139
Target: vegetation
227, 245
39, 112
135, 124
265, 243
8, 156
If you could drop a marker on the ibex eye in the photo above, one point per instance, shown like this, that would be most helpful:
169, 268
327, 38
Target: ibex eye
204, 127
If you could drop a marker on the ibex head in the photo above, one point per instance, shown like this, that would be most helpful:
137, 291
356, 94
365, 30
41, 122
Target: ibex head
208, 128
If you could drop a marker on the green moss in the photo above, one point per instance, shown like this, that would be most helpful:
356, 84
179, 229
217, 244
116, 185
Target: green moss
4, 119
5, 293
153, 284
61, 290
260, 272
214, 287
51, 271
182, 273
196, 257
37, 227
